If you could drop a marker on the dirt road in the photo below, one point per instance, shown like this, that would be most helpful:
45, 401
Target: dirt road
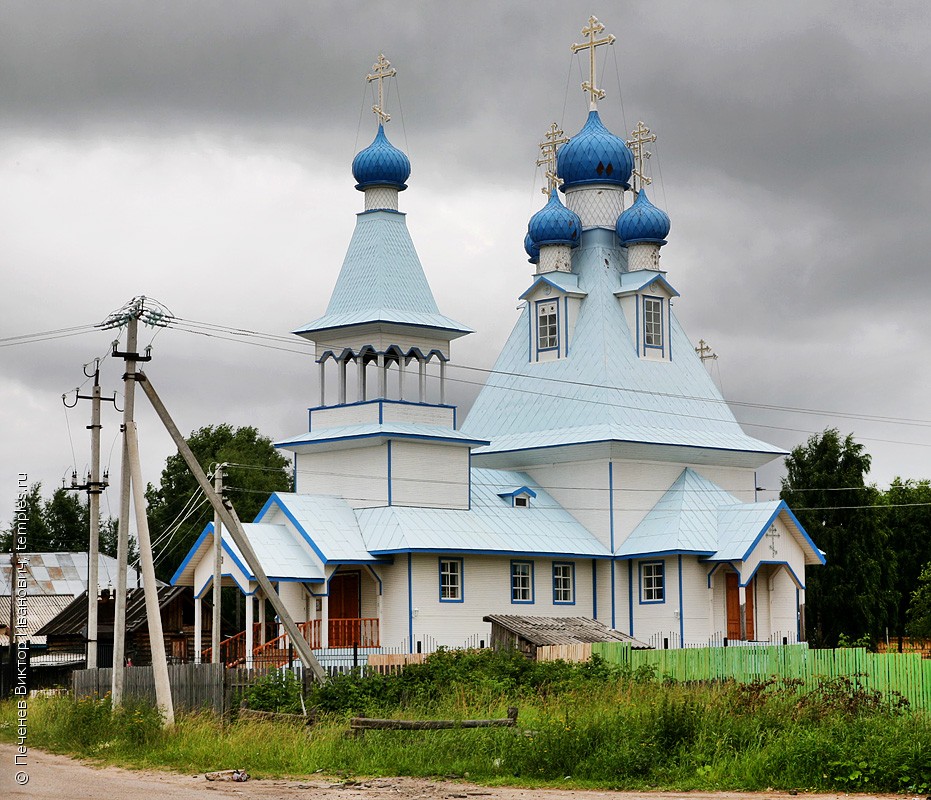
54, 777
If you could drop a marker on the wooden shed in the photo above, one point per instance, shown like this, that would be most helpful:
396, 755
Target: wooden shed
510, 631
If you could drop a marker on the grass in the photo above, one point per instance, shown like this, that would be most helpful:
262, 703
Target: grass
581, 726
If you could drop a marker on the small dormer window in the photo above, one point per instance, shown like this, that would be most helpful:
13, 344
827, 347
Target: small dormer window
522, 501
547, 325
653, 322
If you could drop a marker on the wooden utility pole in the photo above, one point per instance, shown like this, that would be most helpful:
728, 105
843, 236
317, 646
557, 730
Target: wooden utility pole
94, 486
217, 561
236, 531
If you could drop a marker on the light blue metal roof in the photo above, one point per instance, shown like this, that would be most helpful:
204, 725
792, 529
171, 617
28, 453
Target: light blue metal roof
279, 553
684, 520
327, 524
602, 390
567, 282
491, 525
386, 430
382, 280
698, 516
632, 282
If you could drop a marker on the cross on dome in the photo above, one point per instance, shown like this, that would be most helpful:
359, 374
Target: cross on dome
641, 136
554, 137
593, 28
381, 69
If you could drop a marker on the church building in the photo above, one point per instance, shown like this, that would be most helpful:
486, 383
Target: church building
599, 473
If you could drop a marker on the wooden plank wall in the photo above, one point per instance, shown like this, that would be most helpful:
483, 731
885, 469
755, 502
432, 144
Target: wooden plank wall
565, 652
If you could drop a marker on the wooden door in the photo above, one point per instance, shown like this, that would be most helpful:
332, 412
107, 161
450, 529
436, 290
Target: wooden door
345, 604
733, 607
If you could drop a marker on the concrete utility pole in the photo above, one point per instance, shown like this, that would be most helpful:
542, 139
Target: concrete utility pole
217, 560
237, 534
150, 587
129, 316
94, 486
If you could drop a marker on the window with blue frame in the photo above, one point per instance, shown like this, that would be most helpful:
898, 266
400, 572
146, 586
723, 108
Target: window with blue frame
450, 580
652, 582
563, 583
653, 321
521, 581
548, 325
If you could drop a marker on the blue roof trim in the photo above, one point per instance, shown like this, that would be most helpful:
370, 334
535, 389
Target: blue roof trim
801, 528
550, 280
517, 491
635, 281
454, 440
799, 584
774, 453
190, 554
282, 506
382, 401
658, 553
486, 552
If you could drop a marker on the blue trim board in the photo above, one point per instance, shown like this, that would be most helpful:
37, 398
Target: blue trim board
208, 584
637, 320
461, 598
275, 500
530, 328
611, 537
375, 576
208, 530
662, 325
595, 588
773, 453
799, 584
640, 567
382, 401
454, 440
532, 599
571, 565
721, 564
389, 472
658, 553
517, 553
798, 616
630, 592
566, 324
682, 608
410, 603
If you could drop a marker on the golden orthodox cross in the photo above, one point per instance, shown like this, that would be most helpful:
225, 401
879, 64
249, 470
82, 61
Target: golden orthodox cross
553, 138
593, 28
380, 70
641, 136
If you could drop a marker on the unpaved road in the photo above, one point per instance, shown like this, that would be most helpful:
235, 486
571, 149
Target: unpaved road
54, 777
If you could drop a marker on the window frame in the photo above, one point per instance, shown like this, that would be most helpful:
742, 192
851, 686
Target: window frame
570, 577
552, 336
529, 589
649, 589
648, 323
458, 573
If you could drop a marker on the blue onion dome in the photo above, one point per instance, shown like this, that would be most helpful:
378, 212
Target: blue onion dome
381, 164
594, 155
555, 224
643, 222
531, 249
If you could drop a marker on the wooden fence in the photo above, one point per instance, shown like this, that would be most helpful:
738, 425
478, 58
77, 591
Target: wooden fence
193, 686
565, 652
906, 673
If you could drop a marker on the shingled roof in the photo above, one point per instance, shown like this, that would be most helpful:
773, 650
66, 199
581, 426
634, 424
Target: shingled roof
541, 631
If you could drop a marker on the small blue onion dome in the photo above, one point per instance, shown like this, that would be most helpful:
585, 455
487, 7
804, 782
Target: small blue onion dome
594, 155
381, 164
555, 224
643, 222
532, 250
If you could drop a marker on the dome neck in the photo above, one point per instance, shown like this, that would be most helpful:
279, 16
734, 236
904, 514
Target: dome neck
381, 198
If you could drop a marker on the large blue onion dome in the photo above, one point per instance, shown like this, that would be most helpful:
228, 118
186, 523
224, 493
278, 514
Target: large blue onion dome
381, 164
531, 249
594, 155
643, 222
555, 224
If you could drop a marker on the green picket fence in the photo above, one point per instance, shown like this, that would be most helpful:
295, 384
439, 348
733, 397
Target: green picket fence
906, 673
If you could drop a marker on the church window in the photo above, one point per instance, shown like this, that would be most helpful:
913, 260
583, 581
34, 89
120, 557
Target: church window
652, 322
450, 580
521, 581
652, 582
563, 583
547, 325
521, 501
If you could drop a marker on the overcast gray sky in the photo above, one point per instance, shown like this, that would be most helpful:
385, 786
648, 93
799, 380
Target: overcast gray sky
199, 153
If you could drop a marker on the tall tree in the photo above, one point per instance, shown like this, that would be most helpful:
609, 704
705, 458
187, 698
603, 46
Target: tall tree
919, 609
909, 518
178, 512
28, 519
68, 522
825, 485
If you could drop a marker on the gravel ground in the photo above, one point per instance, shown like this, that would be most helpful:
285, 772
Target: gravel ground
53, 777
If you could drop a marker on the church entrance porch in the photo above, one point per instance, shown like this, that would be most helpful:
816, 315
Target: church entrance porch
736, 630
346, 627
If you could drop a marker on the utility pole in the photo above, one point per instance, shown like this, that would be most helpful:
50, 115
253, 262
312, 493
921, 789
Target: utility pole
129, 316
94, 486
217, 560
